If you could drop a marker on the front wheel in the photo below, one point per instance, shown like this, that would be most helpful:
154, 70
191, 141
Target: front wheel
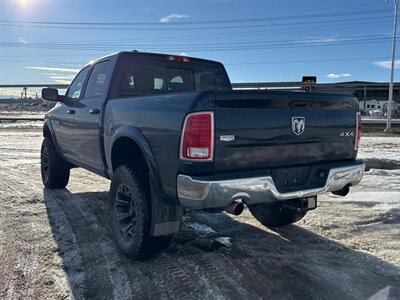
276, 214
54, 169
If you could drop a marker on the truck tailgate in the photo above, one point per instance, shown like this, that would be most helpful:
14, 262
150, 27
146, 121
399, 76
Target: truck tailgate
258, 130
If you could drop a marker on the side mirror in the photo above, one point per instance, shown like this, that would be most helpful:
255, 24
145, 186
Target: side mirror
50, 94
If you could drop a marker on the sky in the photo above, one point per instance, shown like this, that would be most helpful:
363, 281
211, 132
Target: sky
48, 41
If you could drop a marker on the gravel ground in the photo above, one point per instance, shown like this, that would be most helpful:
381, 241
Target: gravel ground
58, 244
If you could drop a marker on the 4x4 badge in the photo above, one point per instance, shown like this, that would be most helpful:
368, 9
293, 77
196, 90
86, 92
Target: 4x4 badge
298, 125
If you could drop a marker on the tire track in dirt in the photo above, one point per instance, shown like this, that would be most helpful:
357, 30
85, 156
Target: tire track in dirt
224, 275
63, 208
26, 241
100, 263
176, 278
67, 246
139, 278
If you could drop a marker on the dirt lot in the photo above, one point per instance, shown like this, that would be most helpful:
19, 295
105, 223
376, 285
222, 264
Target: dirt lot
58, 244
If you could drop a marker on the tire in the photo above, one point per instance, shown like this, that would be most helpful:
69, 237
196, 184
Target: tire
276, 214
54, 169
131, 215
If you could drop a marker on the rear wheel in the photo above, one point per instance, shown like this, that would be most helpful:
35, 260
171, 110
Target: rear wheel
54, 169
131, 214
276, 214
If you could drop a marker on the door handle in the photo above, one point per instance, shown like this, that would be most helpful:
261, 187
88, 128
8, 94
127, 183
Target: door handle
71, 111
94, 111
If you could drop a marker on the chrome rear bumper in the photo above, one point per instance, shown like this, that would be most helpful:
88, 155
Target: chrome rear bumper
199, 193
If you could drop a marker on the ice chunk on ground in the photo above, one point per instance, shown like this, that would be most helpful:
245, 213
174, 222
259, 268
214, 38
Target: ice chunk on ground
224, 240
202, 229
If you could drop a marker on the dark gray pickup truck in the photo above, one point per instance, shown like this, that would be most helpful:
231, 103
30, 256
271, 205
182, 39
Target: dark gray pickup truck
173, 136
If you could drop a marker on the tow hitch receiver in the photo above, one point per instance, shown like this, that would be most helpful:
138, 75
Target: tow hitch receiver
302, 204
309, 203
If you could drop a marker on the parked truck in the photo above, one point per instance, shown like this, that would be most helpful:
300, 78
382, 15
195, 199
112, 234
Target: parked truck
172, 136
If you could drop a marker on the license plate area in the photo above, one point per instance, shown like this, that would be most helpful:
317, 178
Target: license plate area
299, 178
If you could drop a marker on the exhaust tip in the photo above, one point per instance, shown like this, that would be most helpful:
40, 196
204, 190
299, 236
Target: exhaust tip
235, 208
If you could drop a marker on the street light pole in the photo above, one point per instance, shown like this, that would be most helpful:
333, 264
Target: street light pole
390, 100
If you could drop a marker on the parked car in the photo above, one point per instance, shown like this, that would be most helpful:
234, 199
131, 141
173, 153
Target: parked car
173, 136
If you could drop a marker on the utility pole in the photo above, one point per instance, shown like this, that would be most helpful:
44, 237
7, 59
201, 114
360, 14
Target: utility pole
25, 92
390, 99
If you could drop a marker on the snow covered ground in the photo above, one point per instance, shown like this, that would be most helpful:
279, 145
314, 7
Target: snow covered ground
380, 147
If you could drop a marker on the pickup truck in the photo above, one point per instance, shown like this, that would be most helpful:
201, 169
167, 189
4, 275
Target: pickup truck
173, 136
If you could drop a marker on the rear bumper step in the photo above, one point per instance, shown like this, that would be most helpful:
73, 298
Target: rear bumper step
199, 193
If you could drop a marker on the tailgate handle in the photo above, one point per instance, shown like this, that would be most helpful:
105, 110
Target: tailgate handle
300, 104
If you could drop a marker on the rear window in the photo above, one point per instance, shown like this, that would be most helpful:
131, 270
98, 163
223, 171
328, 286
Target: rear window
137, 77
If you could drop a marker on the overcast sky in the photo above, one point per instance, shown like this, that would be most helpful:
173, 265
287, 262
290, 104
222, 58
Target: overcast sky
266, 40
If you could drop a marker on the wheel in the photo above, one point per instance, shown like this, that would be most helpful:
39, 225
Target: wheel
276, 214
131, 214
54, 169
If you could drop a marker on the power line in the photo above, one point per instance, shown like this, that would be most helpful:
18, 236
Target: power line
321, 60
211, 35
194, 28
256, 42
226, 21
306, 61
213, 48
220, 36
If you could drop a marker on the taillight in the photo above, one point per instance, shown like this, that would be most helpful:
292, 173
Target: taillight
358, 130
198, 137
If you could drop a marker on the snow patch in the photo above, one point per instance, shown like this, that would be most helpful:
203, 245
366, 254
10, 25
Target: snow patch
387, 199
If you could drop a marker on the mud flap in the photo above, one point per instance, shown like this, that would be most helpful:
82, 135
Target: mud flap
166, 214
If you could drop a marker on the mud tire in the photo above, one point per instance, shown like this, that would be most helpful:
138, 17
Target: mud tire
137, 243
54, 169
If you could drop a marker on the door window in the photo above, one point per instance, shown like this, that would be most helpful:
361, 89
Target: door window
97, 81
74, 91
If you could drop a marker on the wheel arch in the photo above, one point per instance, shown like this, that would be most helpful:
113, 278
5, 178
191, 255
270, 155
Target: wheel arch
48, 132
48, 129
127, 141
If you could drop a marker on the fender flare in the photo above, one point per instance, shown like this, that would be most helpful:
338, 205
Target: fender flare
136, 136
47, 123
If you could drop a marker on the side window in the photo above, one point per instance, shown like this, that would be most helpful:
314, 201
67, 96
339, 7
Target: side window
206, 81
97, 82
74, 91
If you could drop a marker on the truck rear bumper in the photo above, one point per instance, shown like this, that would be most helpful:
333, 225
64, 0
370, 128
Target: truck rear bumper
199, 193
